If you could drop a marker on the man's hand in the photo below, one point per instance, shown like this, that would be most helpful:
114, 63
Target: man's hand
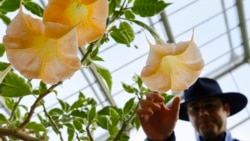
157, 120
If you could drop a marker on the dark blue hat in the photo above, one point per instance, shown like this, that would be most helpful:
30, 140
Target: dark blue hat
206, 87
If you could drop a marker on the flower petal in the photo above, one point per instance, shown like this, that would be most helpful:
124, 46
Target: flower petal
172, 66
47, 51
89, 16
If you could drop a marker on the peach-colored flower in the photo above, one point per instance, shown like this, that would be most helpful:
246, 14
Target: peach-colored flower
41, 50
89, 16
172, 66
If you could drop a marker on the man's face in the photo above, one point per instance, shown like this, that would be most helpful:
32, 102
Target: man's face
208, 116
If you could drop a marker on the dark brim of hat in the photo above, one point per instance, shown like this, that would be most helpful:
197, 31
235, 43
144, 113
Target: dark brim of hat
237, 102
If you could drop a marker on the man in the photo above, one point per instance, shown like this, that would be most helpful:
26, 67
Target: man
205, 106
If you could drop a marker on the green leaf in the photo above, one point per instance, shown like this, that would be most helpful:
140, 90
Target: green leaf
4, 73
113, 130
128, 106
14, 86
5, 19
3, 66
112, 6
42, 87
9, 102
139, 82
3, 119
35, 127
78, 113
78, 125
69, 125
104, 111
124, 34
114, 117
129, 88
91, 114
102, 121
129, 14
56, 112
94, 55
148, 8
2, 50
106, 75
167, 97
34, 8
10, 5
135, 122
77, 104
41, 118
64, 105
71, 134
97, 58
26, 109
81, 96
124, 137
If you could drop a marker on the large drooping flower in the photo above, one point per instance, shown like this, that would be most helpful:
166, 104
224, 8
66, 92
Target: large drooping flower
42, 50
172, 66
89, 16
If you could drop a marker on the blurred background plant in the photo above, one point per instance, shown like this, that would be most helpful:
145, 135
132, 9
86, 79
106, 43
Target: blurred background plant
77, 121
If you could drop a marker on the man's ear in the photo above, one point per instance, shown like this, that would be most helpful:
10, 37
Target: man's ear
227, 108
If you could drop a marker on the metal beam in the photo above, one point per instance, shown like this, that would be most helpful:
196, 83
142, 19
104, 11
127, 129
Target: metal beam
240, 123
227, 25
224, 69
99, 80
103, 86
243, 28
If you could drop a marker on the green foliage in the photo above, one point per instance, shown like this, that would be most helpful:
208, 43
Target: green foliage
106, 75
128, 106
2, 50
167, 97
5, 70
112, 6
94, 55
82, 117
129, 14
123, 34
2, 119
5, 19
9, 5
148, 8
36, 127
128, 88
91, 114
14, 86
33, 7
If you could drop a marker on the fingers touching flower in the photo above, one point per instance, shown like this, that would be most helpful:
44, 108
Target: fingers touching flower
43, 50
172, 66
89, 16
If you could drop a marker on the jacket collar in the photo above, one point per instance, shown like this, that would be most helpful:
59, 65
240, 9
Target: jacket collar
226, 136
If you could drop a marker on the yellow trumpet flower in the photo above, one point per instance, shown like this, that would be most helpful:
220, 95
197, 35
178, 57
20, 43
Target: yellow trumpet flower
89, 16
41, 50
172, 66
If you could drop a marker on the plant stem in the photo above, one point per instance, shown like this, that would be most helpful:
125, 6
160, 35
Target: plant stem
89, 134
33, 107
125, 124
54, 126
13, 111
86, 54
18, 134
